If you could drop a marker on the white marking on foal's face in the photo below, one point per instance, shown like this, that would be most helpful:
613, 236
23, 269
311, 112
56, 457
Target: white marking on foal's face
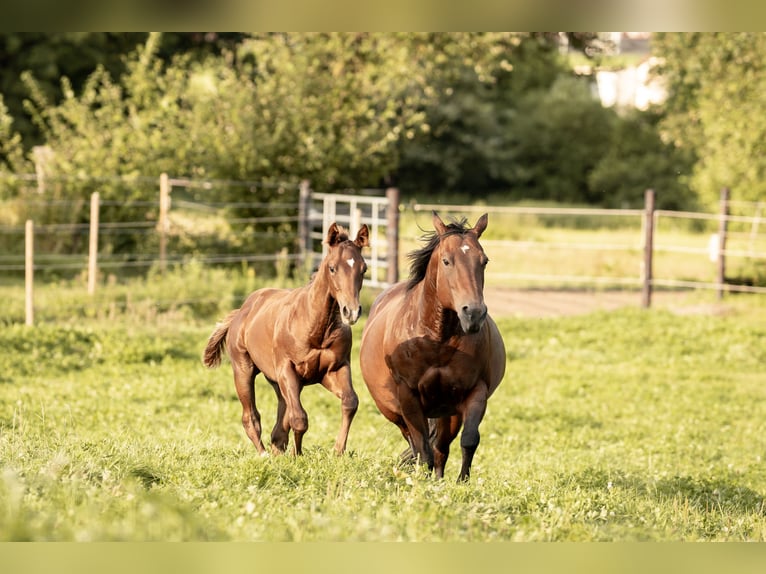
350, 262
465, 248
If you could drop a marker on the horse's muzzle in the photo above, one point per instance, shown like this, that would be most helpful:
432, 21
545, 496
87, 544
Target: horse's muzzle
349, 315
472, 317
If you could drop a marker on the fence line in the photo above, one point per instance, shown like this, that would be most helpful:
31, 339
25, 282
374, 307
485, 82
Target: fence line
377, 212
526, 210
649, 242
164, 223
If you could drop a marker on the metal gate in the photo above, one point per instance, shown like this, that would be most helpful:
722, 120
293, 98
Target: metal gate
378, 209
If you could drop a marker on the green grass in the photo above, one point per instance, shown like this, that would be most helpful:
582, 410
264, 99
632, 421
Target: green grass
631, 425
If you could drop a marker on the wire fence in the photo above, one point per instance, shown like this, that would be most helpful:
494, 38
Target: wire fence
133, 235
263, 227
554, 247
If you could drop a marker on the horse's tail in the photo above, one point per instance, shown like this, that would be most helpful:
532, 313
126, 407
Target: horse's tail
211, 358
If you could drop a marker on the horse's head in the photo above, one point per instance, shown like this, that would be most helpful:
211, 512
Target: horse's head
344, 268
460, 261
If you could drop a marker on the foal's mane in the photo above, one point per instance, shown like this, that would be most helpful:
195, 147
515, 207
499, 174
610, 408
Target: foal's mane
420, 257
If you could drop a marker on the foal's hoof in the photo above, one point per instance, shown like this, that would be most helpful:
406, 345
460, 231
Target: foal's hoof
276, 451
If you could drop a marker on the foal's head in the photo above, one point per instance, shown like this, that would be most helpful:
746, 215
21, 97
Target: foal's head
456, 265
344, 269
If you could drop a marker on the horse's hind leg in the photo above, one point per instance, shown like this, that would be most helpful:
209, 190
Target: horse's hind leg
244, 381
279, 434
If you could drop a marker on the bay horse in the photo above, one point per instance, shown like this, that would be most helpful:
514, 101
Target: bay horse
431, 355
297, 337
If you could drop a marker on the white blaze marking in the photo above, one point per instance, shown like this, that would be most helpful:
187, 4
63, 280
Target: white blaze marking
350, 262
465, 248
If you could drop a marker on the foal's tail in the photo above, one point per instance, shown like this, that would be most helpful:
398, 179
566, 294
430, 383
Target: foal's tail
211, 358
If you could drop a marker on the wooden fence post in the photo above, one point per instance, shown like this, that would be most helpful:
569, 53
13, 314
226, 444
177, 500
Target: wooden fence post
29, 271
163, 224
646, 279
392, 235
93, 243
304, 224
722, 225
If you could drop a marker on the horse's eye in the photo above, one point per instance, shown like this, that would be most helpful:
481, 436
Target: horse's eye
484, 263
445, 261
364, 269
332, 268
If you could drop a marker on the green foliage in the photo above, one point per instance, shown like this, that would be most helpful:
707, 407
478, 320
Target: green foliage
49, 56
558, 137
636, 160
433, 113
327, 107
301, 106
11, 150
472, 83
714, 110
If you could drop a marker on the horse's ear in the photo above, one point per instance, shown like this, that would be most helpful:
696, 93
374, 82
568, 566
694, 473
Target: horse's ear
334, 234
481, 225
362, 237
439, 224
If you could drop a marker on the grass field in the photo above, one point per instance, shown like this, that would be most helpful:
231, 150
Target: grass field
622, 426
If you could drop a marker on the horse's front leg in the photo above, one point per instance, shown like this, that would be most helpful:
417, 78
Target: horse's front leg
290, 384
339, 383
446, 431
417, 424
474, 409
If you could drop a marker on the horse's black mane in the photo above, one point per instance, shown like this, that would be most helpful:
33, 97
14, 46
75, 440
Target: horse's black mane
420, 257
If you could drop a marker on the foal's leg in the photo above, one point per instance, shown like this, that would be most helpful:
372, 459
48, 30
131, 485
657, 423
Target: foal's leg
446, 431
279, 434
244, 378
339, 383
290, 384
475, 407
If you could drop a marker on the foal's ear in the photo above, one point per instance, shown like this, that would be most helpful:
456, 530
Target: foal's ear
481, 225
362, 237
439, 224
335, 234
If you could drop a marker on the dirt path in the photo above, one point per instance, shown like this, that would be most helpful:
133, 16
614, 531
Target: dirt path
545, 303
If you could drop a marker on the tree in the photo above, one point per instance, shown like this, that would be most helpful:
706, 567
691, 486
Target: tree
49, 56
12, 157
556, 139
636, 160
327, 107
715, 109
472, 83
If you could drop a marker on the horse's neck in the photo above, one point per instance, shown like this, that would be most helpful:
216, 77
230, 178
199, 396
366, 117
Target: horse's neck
322, 309
439, 322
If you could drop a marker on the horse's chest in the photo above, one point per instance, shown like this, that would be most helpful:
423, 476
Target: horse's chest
437, 371
315, 364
